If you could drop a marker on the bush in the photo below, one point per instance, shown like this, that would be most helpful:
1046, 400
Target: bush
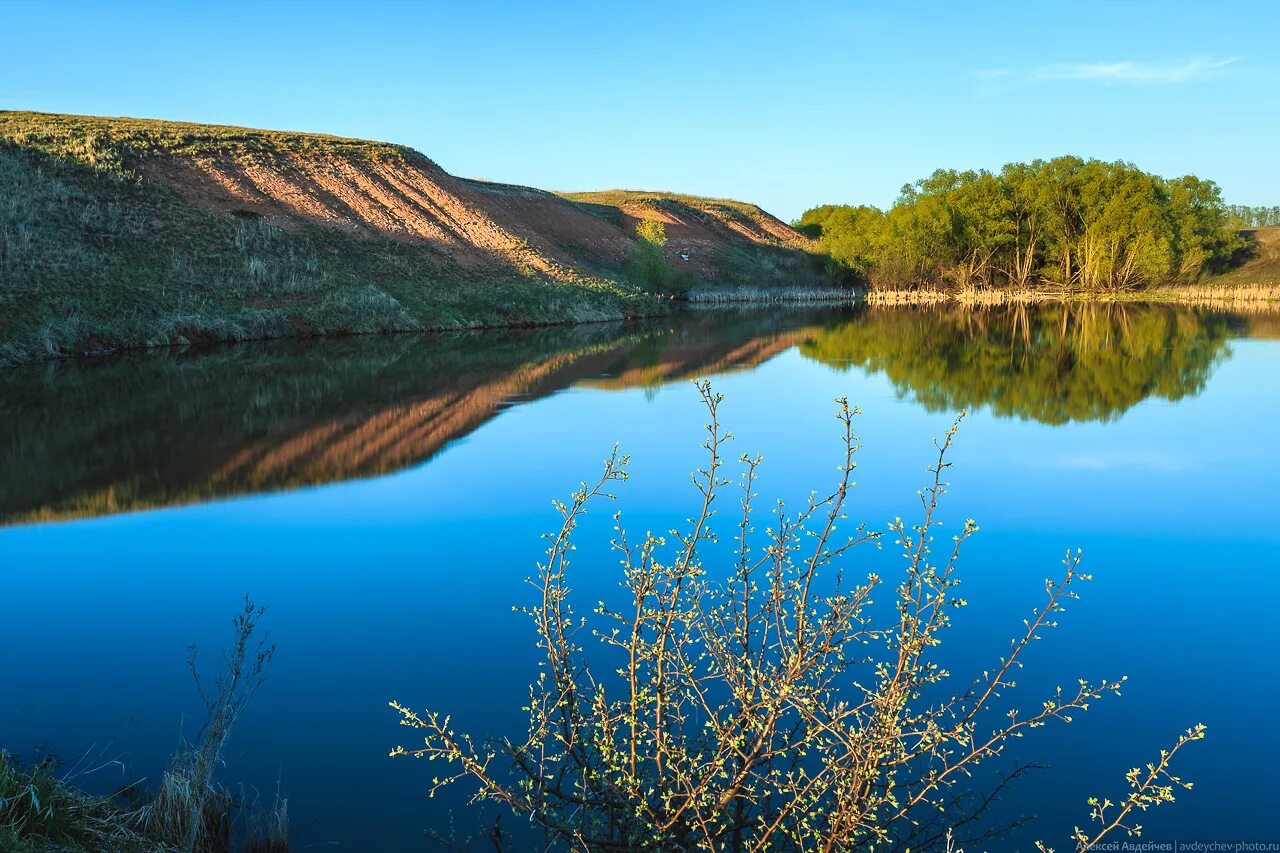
646, 265
770, 707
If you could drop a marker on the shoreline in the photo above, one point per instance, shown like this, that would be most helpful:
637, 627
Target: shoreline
1238, 297
1243, 298
711, 300
771, 296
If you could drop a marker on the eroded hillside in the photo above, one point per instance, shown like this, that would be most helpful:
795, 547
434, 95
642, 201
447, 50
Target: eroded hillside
117, 232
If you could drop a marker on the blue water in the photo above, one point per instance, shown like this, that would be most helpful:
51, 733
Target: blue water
399, 583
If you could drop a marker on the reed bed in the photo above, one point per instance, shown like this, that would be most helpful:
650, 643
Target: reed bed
791, 296
1254, 297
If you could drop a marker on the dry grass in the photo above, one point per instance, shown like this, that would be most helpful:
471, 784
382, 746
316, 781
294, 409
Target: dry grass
790, 296
741, 217
190, 812
1244, 297
106, 142
969, 296
126, 232
1253, 286
40, 810
1262, 265
91, 261
621, 198
1260, 297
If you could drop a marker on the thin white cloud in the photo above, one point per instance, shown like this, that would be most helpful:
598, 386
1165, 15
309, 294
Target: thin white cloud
1151, 461
1137, 73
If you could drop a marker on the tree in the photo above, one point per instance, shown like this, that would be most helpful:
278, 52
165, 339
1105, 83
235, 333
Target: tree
652, 231
1068, 222
646, 263
853, 237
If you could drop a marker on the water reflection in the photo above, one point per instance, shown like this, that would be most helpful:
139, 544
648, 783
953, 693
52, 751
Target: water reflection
165, 428
1049, 363
402, 586
162, 428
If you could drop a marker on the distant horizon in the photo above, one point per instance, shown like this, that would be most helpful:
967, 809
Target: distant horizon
784, 109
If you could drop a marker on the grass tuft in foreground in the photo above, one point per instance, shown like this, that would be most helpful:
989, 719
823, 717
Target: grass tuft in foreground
41, 811
190, 812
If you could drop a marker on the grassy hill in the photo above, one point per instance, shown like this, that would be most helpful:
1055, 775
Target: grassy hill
718, 240
1261, 264
125, 232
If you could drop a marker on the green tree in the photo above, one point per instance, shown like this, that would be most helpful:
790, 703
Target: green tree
1067, 222
646, 265
854, 238
652, 231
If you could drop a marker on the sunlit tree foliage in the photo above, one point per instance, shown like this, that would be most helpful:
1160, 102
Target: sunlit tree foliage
1244, 216
1066, 222
646, 264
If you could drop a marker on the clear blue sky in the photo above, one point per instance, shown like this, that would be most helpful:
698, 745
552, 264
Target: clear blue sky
787, 105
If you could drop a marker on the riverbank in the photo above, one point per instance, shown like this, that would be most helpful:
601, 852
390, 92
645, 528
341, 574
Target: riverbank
41, 811
1252, 297
770, 296
1253, 285
123, 233
126, 233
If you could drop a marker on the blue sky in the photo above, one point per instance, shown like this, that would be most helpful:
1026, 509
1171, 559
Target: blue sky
787, 105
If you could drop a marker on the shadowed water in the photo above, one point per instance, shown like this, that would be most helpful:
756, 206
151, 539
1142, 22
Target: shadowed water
383, 497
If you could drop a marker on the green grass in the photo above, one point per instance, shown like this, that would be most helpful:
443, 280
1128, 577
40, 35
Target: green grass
608, 204
107, 143
741, 265
90, 260
1260, 264
39, 811
775, 264
618, 198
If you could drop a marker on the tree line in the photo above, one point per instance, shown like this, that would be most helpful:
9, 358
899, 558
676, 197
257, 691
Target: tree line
1066, 222
1244, 216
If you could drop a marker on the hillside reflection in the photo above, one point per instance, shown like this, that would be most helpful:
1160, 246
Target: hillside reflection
154, 429
1050, 363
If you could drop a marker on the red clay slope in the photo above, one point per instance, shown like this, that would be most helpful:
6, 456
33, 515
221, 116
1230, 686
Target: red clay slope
378, 188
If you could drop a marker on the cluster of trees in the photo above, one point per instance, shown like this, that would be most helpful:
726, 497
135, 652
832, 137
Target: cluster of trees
1244, 216
1066, 222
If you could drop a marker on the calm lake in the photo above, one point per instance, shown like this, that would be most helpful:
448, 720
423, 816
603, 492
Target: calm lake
383, 497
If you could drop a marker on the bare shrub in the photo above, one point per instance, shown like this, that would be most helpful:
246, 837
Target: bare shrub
772, 707
190, 811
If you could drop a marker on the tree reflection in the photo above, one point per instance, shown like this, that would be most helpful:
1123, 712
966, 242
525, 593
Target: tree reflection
164, 428
1050, 363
